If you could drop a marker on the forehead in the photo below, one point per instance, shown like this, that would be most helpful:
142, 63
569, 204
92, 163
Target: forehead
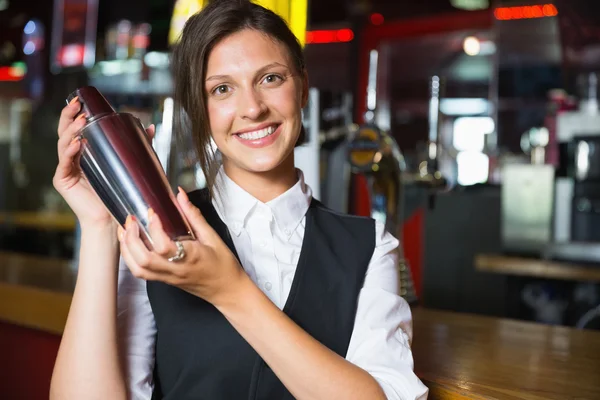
245, 52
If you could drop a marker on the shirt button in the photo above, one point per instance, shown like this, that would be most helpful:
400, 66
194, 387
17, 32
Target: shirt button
287, 231
268, 286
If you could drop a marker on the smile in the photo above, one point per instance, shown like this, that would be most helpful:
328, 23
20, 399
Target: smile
258, 134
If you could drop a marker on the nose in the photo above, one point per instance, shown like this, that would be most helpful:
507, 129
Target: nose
252, 105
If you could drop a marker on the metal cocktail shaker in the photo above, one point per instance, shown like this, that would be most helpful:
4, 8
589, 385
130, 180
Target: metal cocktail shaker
120, 164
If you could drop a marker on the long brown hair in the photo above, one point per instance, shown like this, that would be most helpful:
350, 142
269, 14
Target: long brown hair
219, 19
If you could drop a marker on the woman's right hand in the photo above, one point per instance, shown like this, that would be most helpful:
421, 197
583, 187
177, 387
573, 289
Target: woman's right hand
68, 179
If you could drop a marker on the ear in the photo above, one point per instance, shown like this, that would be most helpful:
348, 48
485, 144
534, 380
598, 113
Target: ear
304, 88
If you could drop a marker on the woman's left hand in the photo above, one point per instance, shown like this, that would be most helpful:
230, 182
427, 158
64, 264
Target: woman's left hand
209, 269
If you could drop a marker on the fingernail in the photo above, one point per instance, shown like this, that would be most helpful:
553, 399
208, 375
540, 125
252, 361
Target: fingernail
127, 221
120, 234
183, 193
73, 100
80, 116
150, 215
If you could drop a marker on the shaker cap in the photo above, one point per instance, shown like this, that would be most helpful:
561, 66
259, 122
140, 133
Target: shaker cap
93, 104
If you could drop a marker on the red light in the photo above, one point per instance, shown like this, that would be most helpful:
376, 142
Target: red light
550, 10
10, 74
525, 12
329, 36
345, 35
377, 19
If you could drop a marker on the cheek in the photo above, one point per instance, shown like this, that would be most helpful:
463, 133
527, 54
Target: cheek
221, 115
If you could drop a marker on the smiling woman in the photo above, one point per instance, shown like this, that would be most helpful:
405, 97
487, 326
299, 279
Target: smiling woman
254, 79
277, 297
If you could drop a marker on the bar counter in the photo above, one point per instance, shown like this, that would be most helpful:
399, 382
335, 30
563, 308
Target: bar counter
458, 356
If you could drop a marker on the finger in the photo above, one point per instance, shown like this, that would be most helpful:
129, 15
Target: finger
66, 160
139, 271
68, 113
142, 256
131, 238
201, 228
69, 133
151, 131
163, 245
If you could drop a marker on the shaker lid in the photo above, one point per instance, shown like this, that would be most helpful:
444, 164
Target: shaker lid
93, 104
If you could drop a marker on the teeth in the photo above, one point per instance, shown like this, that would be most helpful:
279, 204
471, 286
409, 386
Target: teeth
257, 134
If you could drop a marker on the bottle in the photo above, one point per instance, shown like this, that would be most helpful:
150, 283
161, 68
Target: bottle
121, 166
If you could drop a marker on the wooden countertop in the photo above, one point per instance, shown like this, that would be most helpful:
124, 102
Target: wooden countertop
462, 356
458, 356
536, 268
39, 220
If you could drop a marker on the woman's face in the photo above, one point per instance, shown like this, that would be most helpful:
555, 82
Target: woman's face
255, 97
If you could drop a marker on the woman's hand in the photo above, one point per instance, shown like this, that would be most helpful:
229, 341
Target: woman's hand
68, 179
209, 269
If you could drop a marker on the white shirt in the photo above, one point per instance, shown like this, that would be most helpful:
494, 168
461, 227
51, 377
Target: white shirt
268, 238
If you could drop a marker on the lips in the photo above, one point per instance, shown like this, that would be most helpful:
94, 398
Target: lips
264, 136
259, 133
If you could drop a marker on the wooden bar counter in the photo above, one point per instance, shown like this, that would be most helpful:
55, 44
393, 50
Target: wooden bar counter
458, 356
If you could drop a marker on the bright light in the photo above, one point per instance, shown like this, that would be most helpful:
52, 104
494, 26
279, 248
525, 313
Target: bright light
29, 48
329, 36
525, 12
469, 133
464, 106
473, 167
471, 46
470, 4
155, 59
29, 28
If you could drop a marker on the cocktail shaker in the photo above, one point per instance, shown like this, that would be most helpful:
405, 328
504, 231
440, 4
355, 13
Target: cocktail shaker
120, 164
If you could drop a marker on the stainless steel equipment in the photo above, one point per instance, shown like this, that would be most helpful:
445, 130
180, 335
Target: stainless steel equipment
554, 212
121, 166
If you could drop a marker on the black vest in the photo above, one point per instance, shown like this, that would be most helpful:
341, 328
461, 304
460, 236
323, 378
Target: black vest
199, 355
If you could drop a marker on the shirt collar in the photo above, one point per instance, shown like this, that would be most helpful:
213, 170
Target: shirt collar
234, 205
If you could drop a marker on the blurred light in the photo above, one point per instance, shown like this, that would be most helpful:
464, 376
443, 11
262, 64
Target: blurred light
29, 48
464, 106
155, 59
525, 12
470, 5
469, 132
29, 28
329, 36
473, 167
471, 46
372, 80
377, 19
15, 72
3, 5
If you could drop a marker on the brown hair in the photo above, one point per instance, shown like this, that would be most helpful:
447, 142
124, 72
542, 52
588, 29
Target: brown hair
219, 19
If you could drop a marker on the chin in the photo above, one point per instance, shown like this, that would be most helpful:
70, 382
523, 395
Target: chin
264, 165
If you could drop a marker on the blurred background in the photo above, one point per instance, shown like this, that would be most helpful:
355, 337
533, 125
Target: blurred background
469, 127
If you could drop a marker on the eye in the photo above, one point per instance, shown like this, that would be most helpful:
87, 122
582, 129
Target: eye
221, 90
272, 78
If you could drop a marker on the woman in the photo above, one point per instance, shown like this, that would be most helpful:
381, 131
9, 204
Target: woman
278, 297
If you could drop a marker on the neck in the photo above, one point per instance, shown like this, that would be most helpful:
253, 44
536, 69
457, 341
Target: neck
264, 186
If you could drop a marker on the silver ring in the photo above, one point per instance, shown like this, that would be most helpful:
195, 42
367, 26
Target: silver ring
180, 252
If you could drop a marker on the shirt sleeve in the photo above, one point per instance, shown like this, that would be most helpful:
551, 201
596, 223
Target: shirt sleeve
382, 335
136, 331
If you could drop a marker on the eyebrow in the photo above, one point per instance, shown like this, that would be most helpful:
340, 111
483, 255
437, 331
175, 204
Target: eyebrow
259, 72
